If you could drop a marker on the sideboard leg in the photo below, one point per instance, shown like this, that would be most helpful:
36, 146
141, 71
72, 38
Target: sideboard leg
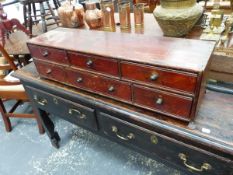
49, 128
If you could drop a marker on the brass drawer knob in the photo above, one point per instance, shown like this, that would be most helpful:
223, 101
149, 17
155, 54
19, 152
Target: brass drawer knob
154, 139
154, 76
55, 100
159, 101
45, 53
49, 71
129, 136
89, 63
111, 89
41, 102
80, 79
77, 112
204, 166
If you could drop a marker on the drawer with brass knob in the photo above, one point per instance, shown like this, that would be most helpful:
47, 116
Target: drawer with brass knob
66, 109
156, 76
94, 63
99, 84
162, 101
51, 71
47, 53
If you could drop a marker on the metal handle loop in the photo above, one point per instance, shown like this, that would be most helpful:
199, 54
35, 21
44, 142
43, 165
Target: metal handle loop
72, 111
130, 136
204, 166
41, 102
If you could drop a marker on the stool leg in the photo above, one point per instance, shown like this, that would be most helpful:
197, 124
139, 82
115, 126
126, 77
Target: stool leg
34, 10
30, 17
55, 4
25, 15
52, 12
42, 11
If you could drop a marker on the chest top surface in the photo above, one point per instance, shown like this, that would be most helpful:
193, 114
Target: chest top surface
181, 54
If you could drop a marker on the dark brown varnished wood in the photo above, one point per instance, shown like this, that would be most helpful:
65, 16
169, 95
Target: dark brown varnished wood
51, 71
95, 63
100, 85
176, 53
168, 66
162, 101
209, 139
159, 76
45, 53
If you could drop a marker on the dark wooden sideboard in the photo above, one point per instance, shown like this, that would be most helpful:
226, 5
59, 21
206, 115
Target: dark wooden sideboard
205, 146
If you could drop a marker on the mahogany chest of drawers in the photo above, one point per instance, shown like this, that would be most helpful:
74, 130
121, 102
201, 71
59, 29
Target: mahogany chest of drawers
164, 75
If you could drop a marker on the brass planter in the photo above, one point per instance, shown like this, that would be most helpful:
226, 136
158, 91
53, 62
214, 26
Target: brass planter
177, 17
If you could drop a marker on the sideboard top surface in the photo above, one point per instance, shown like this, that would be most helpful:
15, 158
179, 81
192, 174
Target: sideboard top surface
212, 126
183, 54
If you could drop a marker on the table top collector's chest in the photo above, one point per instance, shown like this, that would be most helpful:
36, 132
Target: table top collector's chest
164, 75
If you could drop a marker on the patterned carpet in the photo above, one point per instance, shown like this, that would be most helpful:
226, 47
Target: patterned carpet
25, 152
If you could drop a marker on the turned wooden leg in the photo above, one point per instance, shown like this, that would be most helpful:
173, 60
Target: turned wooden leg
30, 17
25, 15
48, 126
42, 12
52, 12
34, 10
6, 120
39, 123
56, 4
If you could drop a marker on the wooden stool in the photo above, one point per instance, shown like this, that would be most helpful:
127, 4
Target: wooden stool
29, 5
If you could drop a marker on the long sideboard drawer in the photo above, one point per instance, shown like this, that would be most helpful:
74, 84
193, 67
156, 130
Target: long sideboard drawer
51, 71
162, 101
70, 111
94, 63
159, 76
49, 54
183, 155
100, 85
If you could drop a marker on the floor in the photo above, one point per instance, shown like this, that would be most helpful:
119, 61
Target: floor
24, 152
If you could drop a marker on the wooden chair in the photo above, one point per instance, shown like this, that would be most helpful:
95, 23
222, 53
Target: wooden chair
10, 88
13, 37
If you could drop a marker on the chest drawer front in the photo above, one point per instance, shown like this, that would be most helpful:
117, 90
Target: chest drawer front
194, 159
50, 71
94, 63
70, 111
162, 101
49, 54
100, 85
159, 77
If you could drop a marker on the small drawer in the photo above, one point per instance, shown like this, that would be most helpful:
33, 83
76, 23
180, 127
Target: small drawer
49, 54
182, 155
70, 111
161, 101
100, 85
94, 63
159, 77
50, 71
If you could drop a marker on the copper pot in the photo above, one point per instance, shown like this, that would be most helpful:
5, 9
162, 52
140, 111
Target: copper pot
93, 15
